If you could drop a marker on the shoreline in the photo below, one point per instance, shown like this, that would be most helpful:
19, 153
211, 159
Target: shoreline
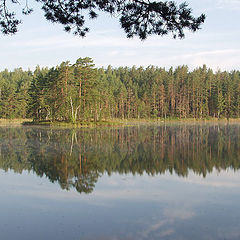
115, 122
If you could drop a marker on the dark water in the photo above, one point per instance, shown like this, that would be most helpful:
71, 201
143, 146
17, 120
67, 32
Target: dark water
159, 182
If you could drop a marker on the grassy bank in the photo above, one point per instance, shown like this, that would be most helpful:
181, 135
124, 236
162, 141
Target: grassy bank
114, 122
79, 124
15, 121
120, 122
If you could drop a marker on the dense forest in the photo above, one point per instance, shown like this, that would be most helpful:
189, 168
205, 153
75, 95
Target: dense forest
78, 158
81, 92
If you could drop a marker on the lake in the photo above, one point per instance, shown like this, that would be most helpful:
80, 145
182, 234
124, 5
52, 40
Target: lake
139, 182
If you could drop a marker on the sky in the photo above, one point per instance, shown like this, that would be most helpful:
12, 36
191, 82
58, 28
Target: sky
42, 43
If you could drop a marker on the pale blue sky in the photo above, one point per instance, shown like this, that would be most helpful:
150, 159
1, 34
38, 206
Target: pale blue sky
217, 45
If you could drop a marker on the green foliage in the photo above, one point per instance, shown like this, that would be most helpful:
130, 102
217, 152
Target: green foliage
14, 93
81, 93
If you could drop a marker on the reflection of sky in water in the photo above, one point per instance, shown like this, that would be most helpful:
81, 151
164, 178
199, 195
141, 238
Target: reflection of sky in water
122, 207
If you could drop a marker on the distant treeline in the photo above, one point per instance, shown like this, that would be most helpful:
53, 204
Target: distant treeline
81, 92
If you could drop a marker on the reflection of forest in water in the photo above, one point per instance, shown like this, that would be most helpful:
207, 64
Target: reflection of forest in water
77, 158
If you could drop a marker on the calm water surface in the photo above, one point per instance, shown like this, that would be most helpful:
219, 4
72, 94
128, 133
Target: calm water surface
149, 182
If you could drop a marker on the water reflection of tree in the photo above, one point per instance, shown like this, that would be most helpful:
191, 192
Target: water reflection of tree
77, 158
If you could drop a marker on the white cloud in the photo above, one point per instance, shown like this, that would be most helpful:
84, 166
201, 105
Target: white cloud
213, 53
178, 213
231, 4
102, 41
224, 59
165, 226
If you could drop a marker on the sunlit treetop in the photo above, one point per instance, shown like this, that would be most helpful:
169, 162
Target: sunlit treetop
140, 18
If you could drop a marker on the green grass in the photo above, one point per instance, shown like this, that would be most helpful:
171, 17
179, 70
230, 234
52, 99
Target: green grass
78, 124
15, 121
112, 122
